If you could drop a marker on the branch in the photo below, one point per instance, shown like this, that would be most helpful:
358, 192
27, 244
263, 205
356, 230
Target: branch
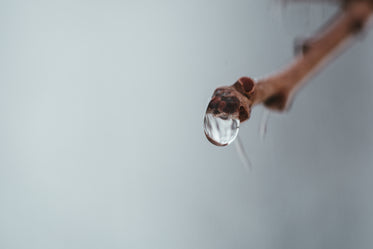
276, 92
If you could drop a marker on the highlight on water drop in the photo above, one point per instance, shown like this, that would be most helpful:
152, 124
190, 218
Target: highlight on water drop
221, 130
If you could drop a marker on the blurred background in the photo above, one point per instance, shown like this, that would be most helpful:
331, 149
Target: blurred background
101, 138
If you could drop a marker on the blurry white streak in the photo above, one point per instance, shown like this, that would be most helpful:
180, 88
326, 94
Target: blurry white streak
311, 1
243, 154
303, 17
263, 124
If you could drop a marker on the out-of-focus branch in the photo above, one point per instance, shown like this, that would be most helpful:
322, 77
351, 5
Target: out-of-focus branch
276, 91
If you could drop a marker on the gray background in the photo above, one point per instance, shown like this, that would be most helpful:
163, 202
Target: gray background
101, 140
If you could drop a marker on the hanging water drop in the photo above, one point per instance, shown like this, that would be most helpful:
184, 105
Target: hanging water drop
221, 130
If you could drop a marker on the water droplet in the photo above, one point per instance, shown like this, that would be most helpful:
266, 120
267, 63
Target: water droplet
221, 130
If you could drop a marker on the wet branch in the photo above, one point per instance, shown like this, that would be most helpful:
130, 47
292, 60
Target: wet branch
276, 91
232, 103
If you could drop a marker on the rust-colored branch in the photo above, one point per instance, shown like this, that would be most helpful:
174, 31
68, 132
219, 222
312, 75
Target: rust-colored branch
276, 91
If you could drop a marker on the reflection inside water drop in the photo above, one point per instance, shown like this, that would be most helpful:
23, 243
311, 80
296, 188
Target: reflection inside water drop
220, 131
